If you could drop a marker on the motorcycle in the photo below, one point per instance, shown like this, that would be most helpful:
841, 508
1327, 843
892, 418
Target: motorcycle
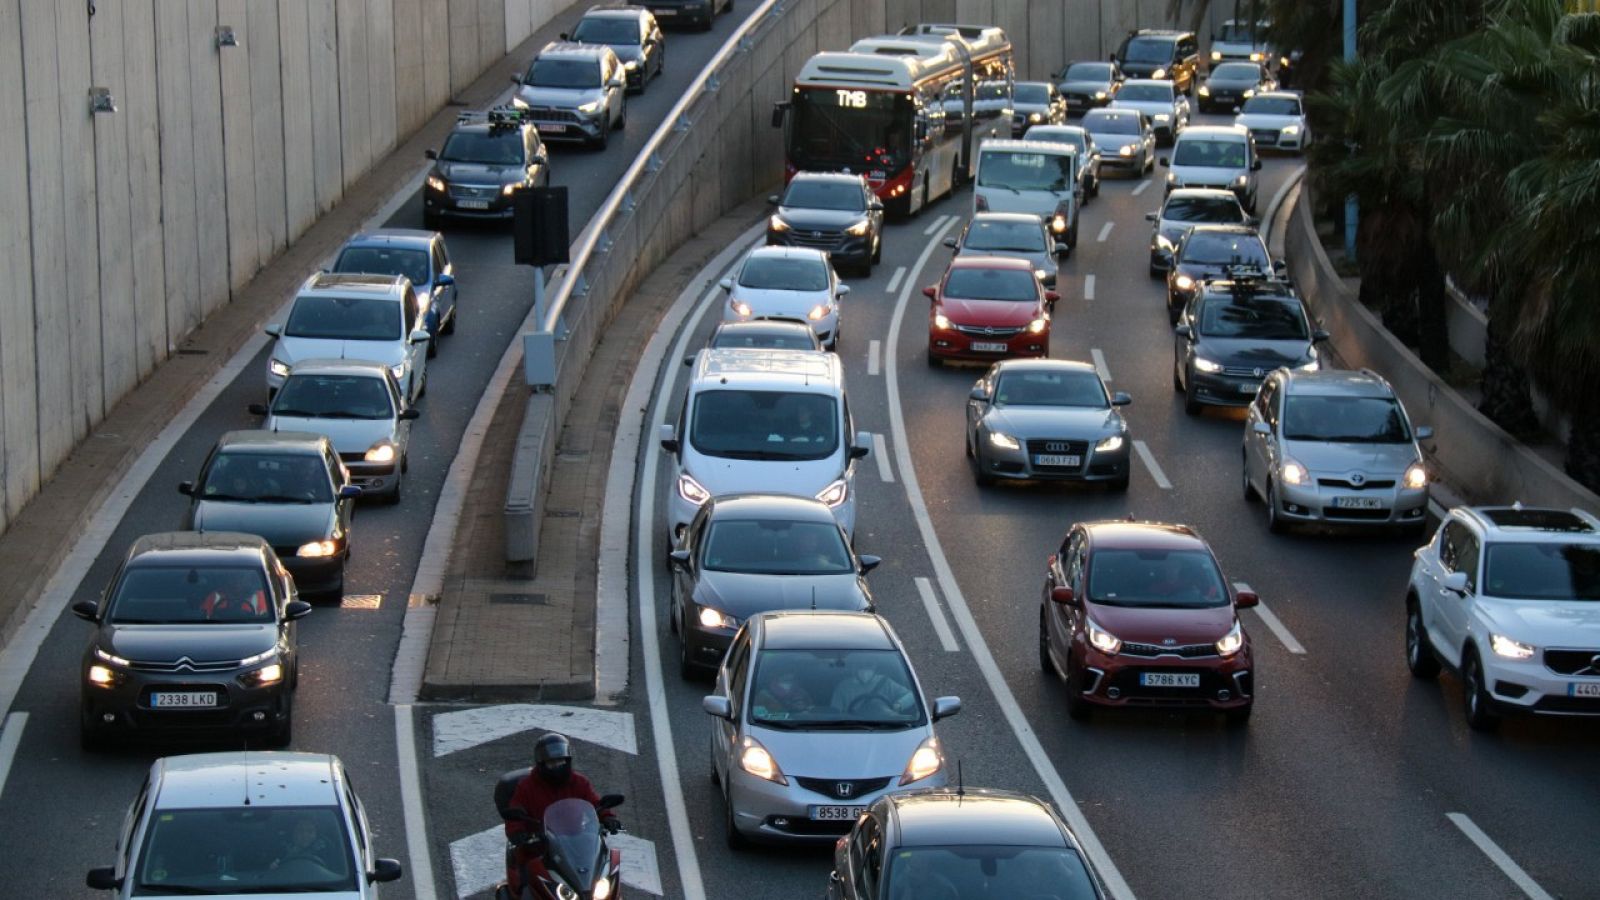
577, 862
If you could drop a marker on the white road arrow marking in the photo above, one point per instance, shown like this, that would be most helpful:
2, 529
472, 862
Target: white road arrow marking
479, 862
467, 728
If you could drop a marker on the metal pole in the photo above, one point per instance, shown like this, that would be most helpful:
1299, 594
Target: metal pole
538, 297
1351, 212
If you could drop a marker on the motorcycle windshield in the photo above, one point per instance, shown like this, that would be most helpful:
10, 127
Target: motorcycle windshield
572, 840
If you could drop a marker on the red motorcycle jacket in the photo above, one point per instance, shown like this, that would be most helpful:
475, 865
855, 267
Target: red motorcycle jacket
534, 795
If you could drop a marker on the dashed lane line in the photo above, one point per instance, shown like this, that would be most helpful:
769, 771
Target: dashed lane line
10, 740
1105, 232
1499, 857
1088, 287
894, 280
1100, 364
937, 224
1274, 624
874, 350
882, 456
1142, 185
941, 625
1149, 460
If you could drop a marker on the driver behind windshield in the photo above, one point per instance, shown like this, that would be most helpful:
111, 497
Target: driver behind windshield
865, 686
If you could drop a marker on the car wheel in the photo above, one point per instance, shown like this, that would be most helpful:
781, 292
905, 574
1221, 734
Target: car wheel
686, 669
934, 362
967, 445
1044, 646
282, 735
877, 249
1247, 489
1094, 186
393, 497
980, 475
622, 118
1275, 522
433, 345
91, 737
1480, 711
1177, 375
449, 326
736, 841
1419, 650
1238, 718
1191, 402
1077, 707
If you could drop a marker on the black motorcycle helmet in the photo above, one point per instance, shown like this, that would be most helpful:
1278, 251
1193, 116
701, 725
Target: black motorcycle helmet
552, 758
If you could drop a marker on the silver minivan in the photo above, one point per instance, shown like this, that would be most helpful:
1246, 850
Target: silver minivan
1215, 156
1035, 177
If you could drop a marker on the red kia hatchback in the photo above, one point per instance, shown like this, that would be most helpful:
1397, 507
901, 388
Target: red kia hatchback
1139, 614
988, 308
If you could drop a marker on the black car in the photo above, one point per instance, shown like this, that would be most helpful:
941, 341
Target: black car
767, 334
486, 159
1088, 85
287, 487
754, 553
1161, 54
196, 635
830, 211
1231, 84
952, 842
1205, 252
1233, 334
702, 13
632, 33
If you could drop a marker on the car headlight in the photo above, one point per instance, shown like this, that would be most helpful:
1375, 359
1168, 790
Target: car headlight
1291, 130
319, 548
777, 224
103, 676
110, 658
1159, 73
1172, 179
278, 367
691, 490
519, 103
1183, 282
398, 370
1201, 364
589, 108
1041, 274
940, 322
1004, 441
834, 495
1125, 150
1241, 181
711, 618
1510, 649
1037, 326
435, 183
509, 189
1109, 445
268, 674
755, 759
1101, 639
381, 452
1216, 56
1292, 472
1035, 117
1165, 243
631, 64
819, 312
1204, 91
1416, 477
1249, 92
859, 228
565, 892
1099, 95
1257, 56
1162, 117
602, 886
1058, 223
740, 308
924, 762
1231, 642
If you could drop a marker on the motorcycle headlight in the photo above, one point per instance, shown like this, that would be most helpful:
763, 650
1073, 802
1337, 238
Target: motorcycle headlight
589, 108
755, 759
1109, 445
834, 495
926, 761
279, 368
1231, 642
691, 490
777, 224
1510, 649
818, 312
859, 229
1201, 364
940, 322
1159, 73
1292, 472
1101, 639
381, 452
711, 618
1183, 282
313, 549
1204, 91
740, 308
1004, 441
1416, 477
1037, 326
435, 183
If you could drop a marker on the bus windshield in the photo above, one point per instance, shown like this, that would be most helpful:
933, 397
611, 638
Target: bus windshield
838, 129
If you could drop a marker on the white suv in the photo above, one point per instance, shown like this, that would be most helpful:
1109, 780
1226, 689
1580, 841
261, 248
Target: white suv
1509, 598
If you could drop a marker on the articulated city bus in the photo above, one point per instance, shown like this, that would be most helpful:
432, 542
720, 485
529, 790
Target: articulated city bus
907, 111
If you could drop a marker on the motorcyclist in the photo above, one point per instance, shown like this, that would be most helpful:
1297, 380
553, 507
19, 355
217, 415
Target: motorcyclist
551, 779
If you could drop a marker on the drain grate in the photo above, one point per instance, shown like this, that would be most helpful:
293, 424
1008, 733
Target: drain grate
519, 599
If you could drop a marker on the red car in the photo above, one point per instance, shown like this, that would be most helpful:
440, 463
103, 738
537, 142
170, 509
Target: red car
1139, 614
988, 308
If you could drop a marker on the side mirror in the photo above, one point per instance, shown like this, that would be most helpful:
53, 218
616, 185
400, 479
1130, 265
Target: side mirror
420, 336
1061, 595
386, 870
1235, 110
297, 609
445, 279
1280, 267
1152, 217
1165, 163
1255, 165
950, 242
1051, 296
978, 393
516, 78
843, 289
565, 36
1246, 599
540, 159
868, 563
1319, 336
350, 492
862, 446
945, 707
1456, 582
102, 879
931, 292
89, 611
1262, 429
668, 437
1062, 249
1121, 398
688, 360
431, 154
679, 559
186, 488
772, 199
726, 284
1183, 331
611, 801
875, 204
1424, 432
717, 706
257, 409
409, 413
273, 331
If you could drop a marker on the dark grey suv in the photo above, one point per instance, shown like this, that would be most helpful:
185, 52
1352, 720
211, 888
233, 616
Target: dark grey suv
830, 211
196, 634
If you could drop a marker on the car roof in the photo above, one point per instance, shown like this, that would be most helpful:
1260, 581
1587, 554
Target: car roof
614, 11
394, 237
782, 252
1337, 383
965, 816
1056, 129
1213, 132
1159, 82
359, 367
572, 48
1044, 365
1158, 32
1224, 228
1125, 535
246, 778
1023, 145
1534, 523
989, 262
1265, 289
296, 442
757, 365
823, 630
1282, 95
1023, 218
354, 284
1213, 193
831, 177
199, 548
782, 506
765, 326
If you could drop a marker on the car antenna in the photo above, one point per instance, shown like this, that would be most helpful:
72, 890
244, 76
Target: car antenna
813, 598
245, 770
961, 783
1130, 518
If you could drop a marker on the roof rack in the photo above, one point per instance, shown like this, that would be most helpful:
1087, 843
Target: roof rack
497, 118
1246, 280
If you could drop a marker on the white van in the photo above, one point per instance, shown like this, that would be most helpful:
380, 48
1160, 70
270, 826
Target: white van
1025, 176
765, 421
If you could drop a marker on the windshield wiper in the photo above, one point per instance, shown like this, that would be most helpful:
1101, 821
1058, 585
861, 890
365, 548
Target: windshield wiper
229, 498
856, 725
282, 498
757, 454
297, 413
779, 724
188, 889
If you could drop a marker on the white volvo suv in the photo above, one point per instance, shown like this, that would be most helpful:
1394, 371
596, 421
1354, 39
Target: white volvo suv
1509, 598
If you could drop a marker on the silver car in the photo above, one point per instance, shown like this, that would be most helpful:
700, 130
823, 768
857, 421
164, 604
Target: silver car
787, 283
1334, 447
574, 92
1161, 103
1015, 235
1046, 419
1125, 139
1215, 156
816, 715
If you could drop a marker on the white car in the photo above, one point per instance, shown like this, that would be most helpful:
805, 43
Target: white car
1509, 598
359, 407
787, 283
1277, 121
1161, 103
376, 318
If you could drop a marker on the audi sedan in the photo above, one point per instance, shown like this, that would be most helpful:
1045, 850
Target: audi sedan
987, 308
1208, 252
1140, 614
1046, 419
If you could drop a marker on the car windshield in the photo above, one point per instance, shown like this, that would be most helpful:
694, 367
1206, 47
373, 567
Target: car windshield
808, 194
847, 690
607, 30
1164, 579
1145, 93
776, 547
1087, 72
1271, 106
1262, 319
765, 425
1345, 420
1021, 237
780, 273
1204, 210
555, 72
1225, 249
766, 340
1542, 571
179, 595
1071, 137
1148, 49
240, 476
1109, 122
1237, 71
992, 284
1021, 171
1209, 153
1031, 92
245, 850
1239, 32
1050, 388
306, 396
500, 148
345, 319
413, 264
987, 872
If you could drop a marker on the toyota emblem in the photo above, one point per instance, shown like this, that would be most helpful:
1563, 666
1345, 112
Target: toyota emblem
844, 789
1356, 478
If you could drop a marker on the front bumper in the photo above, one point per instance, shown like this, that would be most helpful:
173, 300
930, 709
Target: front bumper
840, 246
1118, 161
1533, 686
952, 343
468, 202
1224, 683
374, 479
704, 646
1078, 104
683, 12
1223, 389
781, 814
315, 574
1275, 139
1023, 462
126, 706
572, 126
680, 511
1315, 502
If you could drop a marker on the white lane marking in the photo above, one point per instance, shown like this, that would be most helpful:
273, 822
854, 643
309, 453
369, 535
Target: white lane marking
1437, 509
1274, 624
1015, 718
1149, 460
10, 740
874, 349
894, 280
1499, 857
1105, 232
941, 626
1100, 364
478, 861
639, 867
1142, 185
420, 873
1088, 287
937, 225
882, 456
467, 728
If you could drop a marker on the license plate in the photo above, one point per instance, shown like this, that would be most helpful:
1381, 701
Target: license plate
1584, 689
183, 699
1357, 503
552, 127
1169, 679
836, 813
1057, 459
1249, 388
988, 347
473, 204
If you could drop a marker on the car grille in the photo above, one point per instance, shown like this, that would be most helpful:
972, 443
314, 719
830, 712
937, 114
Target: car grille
1187, 651
473, 192
1058, 446
1345, 512
815, 238
1265, 136
1572, 662
1256, 372
1376, 484
829, 787
184, 665
1077, 99
550, 114
988, 331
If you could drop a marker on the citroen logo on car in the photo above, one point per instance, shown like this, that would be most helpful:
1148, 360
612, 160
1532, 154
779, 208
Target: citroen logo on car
844, 789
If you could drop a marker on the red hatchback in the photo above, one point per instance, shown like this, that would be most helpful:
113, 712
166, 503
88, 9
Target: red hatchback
1139, 614
988, 308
